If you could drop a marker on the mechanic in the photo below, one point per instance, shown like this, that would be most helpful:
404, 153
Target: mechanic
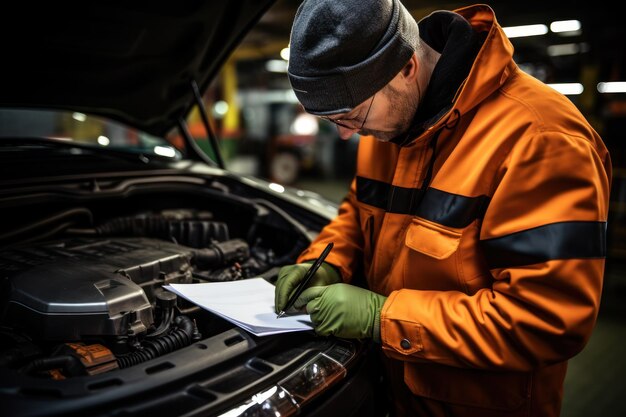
477, 215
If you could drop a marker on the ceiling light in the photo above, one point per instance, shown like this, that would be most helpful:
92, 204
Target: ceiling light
565, 26
525, 30
284, 54
612, 87
569, 89
563, 49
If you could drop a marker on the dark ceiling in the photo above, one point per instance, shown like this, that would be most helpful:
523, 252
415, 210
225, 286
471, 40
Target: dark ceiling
603, 33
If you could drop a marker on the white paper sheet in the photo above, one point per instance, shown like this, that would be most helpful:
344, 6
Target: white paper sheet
248, 303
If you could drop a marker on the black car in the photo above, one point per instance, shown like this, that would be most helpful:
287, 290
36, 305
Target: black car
98, 212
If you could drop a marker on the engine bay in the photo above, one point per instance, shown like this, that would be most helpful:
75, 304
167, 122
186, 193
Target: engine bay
82, 285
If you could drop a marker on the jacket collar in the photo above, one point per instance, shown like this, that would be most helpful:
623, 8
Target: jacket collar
464, 38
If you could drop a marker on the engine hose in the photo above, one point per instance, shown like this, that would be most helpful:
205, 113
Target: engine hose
47, 364
193, 233
185, 333
164, 326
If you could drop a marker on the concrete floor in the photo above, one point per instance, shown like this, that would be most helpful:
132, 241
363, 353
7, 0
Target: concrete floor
593, 385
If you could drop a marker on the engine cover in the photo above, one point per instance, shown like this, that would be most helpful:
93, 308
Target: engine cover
85, 288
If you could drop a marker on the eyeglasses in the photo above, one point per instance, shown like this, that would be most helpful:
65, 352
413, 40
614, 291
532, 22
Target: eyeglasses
351, 124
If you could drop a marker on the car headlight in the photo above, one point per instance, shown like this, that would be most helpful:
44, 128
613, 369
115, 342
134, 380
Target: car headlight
291, 393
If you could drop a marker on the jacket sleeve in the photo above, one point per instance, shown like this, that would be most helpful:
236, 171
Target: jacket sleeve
345, 232
543, 238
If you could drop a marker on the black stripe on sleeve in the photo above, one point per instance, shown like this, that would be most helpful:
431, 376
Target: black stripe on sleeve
438, 206
565, 240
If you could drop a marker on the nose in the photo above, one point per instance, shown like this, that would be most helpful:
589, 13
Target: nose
345, 133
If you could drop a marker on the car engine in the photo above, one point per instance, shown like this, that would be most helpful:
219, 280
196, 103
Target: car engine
89, 297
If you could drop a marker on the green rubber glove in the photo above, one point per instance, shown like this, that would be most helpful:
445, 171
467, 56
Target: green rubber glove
290, 276
343, 310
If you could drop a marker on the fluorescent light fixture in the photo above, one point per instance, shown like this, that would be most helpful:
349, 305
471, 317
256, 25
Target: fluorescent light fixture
569, 89
612, 87
560, 26
103, 140
525, 30
568, 49
563, 49
276, 65
284, 54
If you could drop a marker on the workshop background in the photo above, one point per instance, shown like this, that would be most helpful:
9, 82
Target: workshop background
578, 48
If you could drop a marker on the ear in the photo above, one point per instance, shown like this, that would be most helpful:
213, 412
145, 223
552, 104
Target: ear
411, 69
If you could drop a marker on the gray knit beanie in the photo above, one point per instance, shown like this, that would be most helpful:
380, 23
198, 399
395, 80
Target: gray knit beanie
344, 51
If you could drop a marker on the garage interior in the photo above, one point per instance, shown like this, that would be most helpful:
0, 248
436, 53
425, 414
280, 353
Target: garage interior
263, 132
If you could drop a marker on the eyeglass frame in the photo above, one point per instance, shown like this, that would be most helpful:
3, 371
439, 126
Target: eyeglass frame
341, 122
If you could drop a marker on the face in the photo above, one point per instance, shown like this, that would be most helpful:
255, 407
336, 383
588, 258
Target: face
385, 115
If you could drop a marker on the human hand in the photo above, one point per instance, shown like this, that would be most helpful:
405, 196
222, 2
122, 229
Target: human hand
290, 276
343, 310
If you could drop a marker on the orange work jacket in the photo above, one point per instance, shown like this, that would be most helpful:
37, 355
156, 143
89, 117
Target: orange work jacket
494, 270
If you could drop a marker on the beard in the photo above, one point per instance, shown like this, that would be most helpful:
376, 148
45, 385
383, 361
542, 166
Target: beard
402, 109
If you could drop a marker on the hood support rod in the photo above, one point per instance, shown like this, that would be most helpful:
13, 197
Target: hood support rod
207, 126
196, 153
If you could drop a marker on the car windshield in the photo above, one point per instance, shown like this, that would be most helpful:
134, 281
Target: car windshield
82, 129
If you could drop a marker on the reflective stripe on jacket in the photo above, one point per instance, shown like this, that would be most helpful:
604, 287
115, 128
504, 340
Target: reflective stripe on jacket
493, 271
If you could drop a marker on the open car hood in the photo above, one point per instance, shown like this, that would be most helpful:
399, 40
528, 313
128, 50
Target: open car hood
130, 61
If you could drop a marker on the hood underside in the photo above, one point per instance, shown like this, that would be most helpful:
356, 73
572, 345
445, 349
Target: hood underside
130, 61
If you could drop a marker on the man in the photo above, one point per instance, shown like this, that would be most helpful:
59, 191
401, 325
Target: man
477, 214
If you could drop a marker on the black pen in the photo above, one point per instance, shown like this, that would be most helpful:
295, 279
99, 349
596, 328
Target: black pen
305, 281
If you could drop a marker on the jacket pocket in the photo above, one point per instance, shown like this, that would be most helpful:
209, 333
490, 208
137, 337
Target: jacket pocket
431, 239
